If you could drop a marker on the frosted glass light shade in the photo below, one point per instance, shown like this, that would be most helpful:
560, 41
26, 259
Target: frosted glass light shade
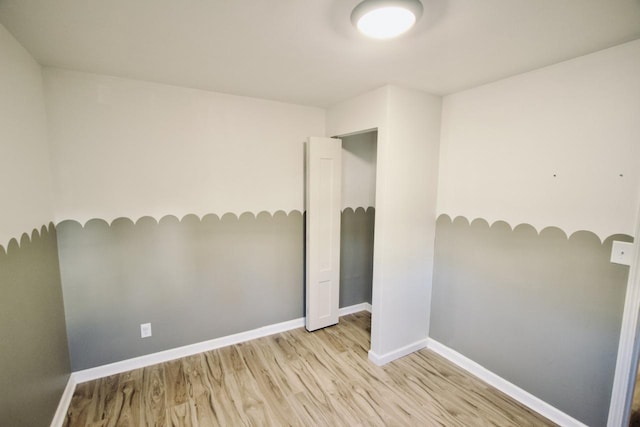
385, 19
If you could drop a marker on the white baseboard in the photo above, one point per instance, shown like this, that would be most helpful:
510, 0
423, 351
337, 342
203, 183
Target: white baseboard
176, 353
365, 306
465, 363
383, 359
512, 390
65, 401
187, 350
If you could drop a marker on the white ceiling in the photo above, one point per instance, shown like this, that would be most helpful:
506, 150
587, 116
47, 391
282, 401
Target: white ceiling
306, 51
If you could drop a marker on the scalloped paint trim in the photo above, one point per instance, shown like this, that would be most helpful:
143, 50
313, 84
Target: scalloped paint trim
359, 209
27, 238
206, 217
524, 226
15, 243
148, 219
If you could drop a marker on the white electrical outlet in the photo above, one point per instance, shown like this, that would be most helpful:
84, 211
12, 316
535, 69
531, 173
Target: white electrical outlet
622, 252
145, 330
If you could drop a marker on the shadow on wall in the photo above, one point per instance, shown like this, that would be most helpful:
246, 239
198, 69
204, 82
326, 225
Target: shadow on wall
542, 310
34, 361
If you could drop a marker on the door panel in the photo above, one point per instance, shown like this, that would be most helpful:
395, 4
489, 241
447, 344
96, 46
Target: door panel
323, 201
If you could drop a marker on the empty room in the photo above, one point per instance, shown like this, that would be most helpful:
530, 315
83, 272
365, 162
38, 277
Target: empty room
327, 212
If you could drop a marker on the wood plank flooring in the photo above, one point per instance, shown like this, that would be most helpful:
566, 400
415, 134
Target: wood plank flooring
297, 378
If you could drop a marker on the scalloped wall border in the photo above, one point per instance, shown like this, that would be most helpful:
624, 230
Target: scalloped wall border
183, 218
544, 230
26, 238
204, 217
229, 216
16, 243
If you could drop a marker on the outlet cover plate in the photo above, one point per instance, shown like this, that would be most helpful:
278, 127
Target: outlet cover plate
622, 252
145, 330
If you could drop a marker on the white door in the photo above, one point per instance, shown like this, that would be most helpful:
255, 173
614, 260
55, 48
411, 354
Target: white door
323, 200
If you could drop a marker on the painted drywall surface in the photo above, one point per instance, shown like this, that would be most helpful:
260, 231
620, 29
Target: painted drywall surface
405, 209
556, 147
127, 148
365, 112
541, 310
579, 120
34, 361
193, 279
356, 256
359, 170
408, 124
25, 179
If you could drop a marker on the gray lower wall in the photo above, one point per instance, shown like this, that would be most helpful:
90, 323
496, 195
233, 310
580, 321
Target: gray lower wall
34, 360
541, 310
356, 256
192, 279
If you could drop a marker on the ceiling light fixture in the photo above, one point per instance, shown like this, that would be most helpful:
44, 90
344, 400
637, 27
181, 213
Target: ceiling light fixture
385, 19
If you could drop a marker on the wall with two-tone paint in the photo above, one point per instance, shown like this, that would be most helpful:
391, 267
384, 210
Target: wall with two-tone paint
539, 173
178, 207
184, 208
34, 361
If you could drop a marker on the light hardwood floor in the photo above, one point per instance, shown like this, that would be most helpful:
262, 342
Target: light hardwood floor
300, 379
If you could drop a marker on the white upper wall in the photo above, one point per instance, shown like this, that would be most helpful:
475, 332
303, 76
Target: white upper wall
502, 144
364, 112
127, 148
359, 170
25, 179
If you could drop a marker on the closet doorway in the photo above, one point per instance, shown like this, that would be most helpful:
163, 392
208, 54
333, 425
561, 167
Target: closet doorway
340, 182
359, 154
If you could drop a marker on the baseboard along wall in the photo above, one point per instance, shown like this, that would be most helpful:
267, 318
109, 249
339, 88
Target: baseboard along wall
513, 391
458, 359
177, 353
65, 401
383, 359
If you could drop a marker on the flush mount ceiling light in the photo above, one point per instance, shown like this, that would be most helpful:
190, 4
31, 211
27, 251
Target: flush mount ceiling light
385, 19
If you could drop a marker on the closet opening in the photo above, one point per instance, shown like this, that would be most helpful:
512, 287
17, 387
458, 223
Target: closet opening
359, 155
